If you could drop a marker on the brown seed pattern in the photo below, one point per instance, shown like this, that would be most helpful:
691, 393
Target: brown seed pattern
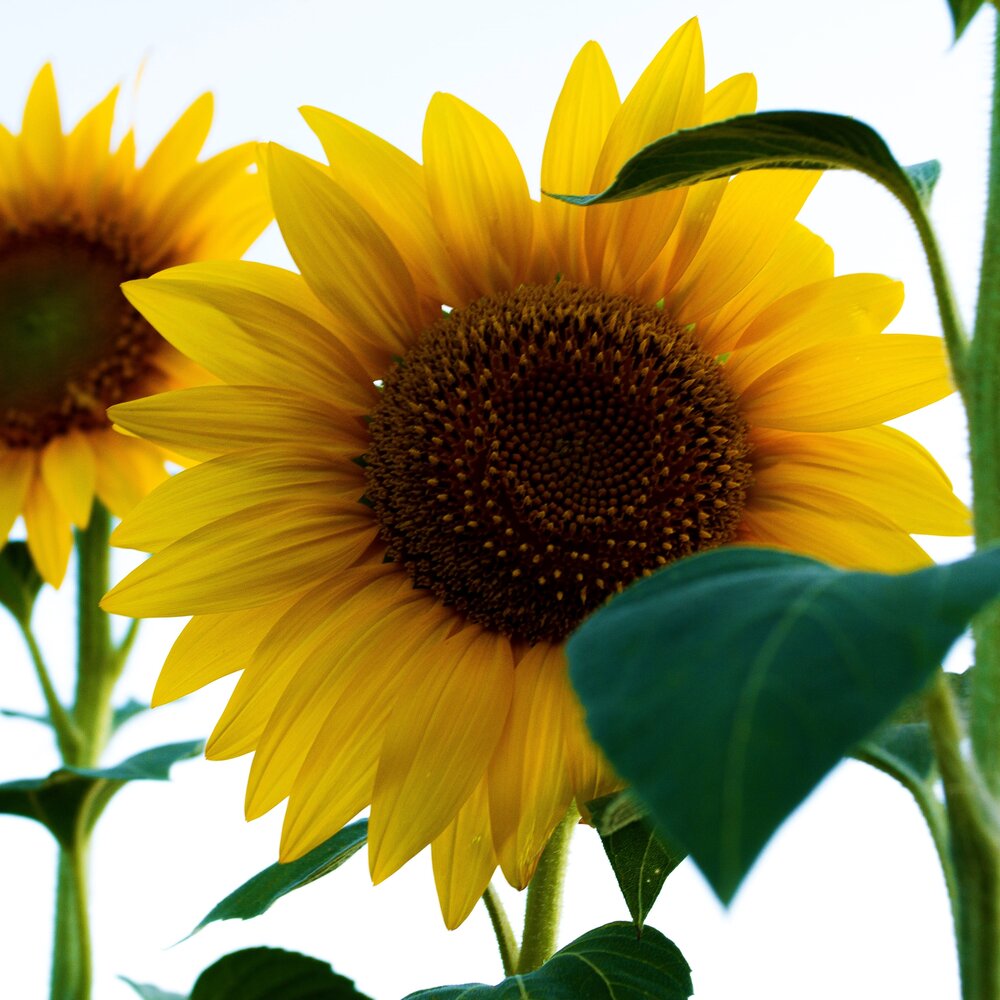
538, 450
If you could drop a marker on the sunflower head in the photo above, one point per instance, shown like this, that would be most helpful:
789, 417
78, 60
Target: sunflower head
78, 218
473, 417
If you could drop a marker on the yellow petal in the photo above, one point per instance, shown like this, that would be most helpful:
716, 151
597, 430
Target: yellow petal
850, 535
246, 323
463, 858
87, 152
478, 195
849, 383
253, 557
231, 483
624, 239
877, 466
347, 259
210, 647
389, 185
756, 212
206, 421
590, 775
337, 776
177, 150
41, 132
49, 535
127, 469
16, 469
70, 475
438, 742
585, 108
529, 786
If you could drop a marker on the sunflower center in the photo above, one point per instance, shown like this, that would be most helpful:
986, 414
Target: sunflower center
70, 344
538, 450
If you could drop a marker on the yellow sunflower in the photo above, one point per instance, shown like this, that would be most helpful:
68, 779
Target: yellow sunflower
471, 419
76, 220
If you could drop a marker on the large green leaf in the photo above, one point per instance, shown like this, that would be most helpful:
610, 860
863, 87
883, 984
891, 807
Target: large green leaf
639, 858
808, 140
727, 685
262, 974
263, 890
609, 963
19, 581
60, 800
962, 13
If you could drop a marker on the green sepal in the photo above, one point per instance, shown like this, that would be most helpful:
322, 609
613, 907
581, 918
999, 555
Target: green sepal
962, 13
262, 974
725, 686
639, 858
924, 177
804, 140
70, 795
19, 581
609, 963
259, 893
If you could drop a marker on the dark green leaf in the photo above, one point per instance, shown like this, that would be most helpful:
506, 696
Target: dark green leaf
123, 713
609, 963
19, 581
615, 812
724, 687
904, 752
807, 140
59, 800
639, 858
267, 887
148, 992
272, 974
962, 13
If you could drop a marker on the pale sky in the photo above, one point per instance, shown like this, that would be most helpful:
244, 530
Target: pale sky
848, 900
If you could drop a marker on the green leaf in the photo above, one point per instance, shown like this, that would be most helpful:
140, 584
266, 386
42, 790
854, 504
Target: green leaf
263, 890
269, 974
609, 963
13, 713
125, 713
805, 140
962, 13
148, 992
639, 858
924, 177
725, 686
19, 581
61, 799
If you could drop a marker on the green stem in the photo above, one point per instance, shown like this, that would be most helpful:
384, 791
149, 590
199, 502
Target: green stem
541, 912
981, 391
974, 850
71, 966
506, 941
67, 734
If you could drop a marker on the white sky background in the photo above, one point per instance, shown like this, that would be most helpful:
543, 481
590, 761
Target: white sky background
848, 900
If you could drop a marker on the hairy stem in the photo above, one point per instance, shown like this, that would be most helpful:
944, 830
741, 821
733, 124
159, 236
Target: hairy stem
506, 941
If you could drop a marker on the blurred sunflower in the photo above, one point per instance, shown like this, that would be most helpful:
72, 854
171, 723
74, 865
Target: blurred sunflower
474, 417
76, 220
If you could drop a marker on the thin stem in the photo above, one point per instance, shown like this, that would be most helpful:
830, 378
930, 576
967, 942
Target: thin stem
124, 648
541, 912
981, 392
506, 941
67, 734
974, 850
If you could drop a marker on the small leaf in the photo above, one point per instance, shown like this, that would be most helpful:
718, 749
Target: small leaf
59, 800
13, 713
608, 963
639, 858
962, 13
259, 893
924, 177
269, 974
148, 992
804, 140
19, 581
724, 687
903, 751
125, 713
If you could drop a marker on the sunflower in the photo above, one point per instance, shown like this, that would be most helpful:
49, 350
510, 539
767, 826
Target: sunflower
76, 220
473, 418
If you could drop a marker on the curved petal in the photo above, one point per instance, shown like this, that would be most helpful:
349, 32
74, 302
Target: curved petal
49, 537
70, 474
438, 741
17, 466
127, 469
41, 132
177, 150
